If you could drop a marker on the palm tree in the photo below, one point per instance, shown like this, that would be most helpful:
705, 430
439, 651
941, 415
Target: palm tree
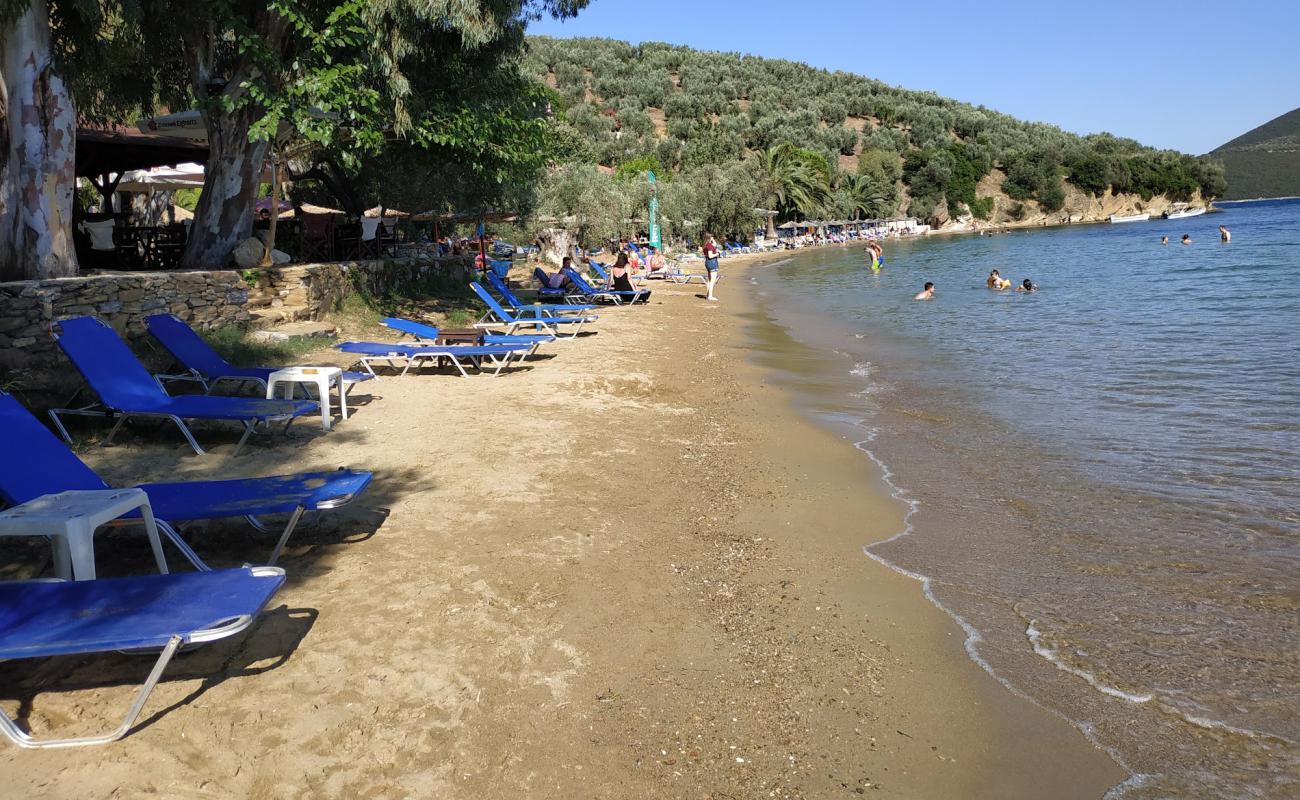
794, 180
863, 194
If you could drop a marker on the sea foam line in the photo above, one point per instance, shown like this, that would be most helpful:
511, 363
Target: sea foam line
1036, 639
973, 636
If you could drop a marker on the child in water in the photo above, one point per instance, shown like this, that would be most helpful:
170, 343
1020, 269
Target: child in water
998, 282
927, 293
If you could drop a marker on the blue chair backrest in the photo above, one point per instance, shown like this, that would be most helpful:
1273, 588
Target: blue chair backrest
411, 326
186, 346
579, 281
599, 269
501, 268
107, 364
46, 464
503, 289
491, 302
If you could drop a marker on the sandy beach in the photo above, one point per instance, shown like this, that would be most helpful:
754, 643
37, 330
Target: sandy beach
628, 570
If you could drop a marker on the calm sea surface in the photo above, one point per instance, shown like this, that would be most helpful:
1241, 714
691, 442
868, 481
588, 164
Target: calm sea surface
1102, 477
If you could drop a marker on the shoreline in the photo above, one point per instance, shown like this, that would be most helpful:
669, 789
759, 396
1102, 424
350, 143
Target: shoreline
631, 570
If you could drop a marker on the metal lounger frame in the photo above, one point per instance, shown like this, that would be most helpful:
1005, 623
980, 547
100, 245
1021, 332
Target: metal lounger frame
97, 409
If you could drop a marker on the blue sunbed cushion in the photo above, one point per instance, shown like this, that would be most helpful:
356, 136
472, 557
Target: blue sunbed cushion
122, 382
416, 350
42, 618
46, 465
198, 406
514, 301
412, 327
188, 348
278, 494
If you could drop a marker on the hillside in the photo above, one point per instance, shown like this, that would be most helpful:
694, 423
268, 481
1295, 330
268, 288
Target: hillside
829, 144
1264, 162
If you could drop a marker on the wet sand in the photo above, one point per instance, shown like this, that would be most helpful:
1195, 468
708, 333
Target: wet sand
632, 570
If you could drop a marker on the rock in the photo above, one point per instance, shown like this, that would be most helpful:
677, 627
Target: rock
248, 253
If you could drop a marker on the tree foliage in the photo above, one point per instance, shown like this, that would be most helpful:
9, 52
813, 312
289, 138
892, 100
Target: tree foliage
723, 108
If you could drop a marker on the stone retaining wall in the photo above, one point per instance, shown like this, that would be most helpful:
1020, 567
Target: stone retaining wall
29, 308
309, 291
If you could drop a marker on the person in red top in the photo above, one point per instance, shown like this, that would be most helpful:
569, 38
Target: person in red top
710, 249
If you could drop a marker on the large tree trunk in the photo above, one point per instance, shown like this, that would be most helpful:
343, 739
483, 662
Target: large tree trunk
38, 178
224, 215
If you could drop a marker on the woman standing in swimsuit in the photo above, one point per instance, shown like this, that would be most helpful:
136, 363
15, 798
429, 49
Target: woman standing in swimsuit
710, 250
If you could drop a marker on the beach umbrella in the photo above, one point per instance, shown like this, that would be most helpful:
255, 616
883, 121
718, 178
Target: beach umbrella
387, 212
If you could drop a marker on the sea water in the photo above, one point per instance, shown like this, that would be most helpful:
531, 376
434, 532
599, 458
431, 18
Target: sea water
1101, 478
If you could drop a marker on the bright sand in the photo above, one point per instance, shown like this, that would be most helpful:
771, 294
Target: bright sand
633, 570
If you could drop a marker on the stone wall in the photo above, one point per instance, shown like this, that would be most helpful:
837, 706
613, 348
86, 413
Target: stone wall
309, 291
28, 309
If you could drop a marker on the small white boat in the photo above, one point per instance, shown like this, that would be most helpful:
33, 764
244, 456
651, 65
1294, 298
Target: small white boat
1183, 213
1129, 217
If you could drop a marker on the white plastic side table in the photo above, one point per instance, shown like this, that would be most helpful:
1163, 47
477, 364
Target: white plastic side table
70, 519
322, 377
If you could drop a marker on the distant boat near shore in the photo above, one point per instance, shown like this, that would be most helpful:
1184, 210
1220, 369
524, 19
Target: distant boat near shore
1129, 217
1183, 213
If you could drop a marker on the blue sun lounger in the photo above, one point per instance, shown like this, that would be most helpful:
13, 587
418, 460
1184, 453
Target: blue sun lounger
429, 334
49, 467
546, 309
529, 317
408, 355
126, 389
39, 619
605, 295
204, 365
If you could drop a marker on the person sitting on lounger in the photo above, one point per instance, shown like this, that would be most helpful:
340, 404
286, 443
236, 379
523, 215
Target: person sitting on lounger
558, 280
620, 275
656, 263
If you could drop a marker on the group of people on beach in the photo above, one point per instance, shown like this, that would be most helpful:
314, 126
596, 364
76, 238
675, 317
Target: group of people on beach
632, 260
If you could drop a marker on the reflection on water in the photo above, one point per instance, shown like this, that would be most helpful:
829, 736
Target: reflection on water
1106, 469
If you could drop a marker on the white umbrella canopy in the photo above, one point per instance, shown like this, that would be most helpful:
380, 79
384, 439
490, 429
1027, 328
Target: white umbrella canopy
182, 176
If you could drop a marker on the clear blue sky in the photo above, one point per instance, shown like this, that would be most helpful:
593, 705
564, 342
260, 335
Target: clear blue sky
1181, 74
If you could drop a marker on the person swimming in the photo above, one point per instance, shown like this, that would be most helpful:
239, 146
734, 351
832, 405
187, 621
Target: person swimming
1187, 238
927, 293
1164, 240
1026, 286
996, 281
1225, 235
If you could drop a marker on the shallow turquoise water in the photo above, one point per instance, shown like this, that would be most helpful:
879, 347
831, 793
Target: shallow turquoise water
1104, 472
